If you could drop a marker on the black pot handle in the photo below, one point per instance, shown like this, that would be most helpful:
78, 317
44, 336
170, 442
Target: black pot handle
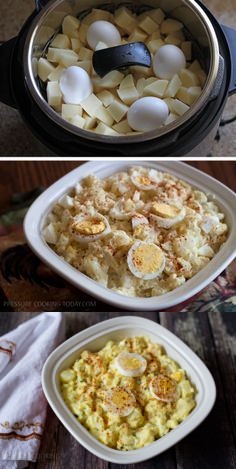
230, 35
6, 52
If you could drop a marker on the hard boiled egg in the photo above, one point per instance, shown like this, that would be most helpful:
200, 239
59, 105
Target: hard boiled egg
103, 31
130, 364
89, 228
166, 215
147, 114
164, 388
75, 85
168, 61
144, 181
120, 401
138, 219
145, 260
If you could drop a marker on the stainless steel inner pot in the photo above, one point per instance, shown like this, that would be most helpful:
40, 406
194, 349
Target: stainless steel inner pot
48, 23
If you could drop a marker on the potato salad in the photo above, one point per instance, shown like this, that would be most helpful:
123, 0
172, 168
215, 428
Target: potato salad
128, 394
130, 100
139, 232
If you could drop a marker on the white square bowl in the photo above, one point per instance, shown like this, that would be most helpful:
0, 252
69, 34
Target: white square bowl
36, 215
93, 339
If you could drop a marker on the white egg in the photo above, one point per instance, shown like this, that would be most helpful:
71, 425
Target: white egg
130, 364
120, 401
168, 61
144, 179
147, 114
164, 388
138, 219
75, 85
89, 228
103, 31
145, 260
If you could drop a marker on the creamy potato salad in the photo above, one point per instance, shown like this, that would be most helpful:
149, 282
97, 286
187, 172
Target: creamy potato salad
139, 232
128, 394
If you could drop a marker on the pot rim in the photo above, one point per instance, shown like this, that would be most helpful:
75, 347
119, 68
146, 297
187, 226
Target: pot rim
142, 137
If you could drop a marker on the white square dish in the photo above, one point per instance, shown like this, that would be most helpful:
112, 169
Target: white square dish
35, 219
93, 339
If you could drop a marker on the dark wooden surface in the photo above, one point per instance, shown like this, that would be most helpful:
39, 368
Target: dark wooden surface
26, 175
211, 446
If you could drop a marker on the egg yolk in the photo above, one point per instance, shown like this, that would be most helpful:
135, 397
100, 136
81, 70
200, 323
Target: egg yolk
144, 180
164, 210
120, 399
90, 227
147, 259
130, 363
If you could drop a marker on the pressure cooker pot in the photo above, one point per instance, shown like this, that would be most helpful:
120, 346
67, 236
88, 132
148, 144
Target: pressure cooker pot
190, 134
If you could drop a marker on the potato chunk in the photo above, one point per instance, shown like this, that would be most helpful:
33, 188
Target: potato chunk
44, 69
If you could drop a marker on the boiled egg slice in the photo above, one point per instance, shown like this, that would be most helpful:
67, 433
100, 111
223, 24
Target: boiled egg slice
120, 401
138, 219
143, 182
145, 260
166, 215
130, 364
164, 388
89, 228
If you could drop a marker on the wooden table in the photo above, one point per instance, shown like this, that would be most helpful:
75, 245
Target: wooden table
210, 446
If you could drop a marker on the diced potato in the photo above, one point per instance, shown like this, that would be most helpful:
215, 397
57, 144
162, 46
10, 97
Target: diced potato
137, 35
106, 97
83, 33
71, 110
157, 88
90, 123
54, 95
154, 45
110, 80
70, 26
171, 118
186, 47
50, 234
173, 86
140, 86
101, 45
170, 25
125, 19
155, 35
202, 77
75, 44
117, 109
85, 54
189, 95
150, 80
170, 104
67, 375
148, 25
188, 78
98, 15
65, 57
55, 75
78, 121
105, 130
128, 95
140, 71
127, 82
103, 115
44, 69
123, 127
157, 14
179, 107
171, 39
91, 104
61, 41
195, 67
86, 65
66, 201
